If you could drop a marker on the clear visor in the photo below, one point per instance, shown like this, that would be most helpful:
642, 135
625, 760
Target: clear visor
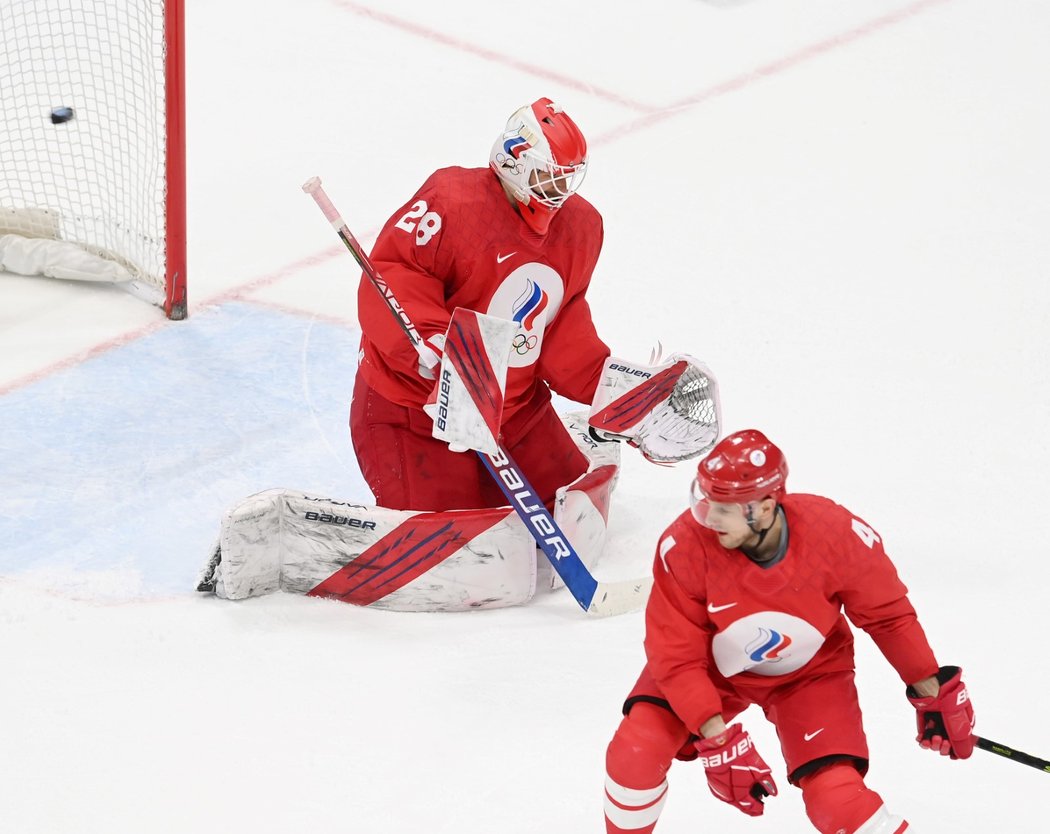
713, 515
552, 184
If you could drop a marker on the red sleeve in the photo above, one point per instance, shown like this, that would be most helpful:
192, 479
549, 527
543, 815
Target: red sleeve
408, 255
677, 634
875, 599
573, 355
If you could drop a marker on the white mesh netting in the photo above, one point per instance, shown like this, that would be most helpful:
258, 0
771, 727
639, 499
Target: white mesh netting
97, 179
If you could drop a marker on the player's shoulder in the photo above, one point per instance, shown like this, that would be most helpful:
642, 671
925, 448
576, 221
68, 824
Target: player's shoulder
578, 218
457, 183
821, 517
811, 505
683, 544
459, 196
817, 511
582, 207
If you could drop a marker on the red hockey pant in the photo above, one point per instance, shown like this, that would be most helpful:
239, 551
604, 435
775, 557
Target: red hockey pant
407, 469
651, 737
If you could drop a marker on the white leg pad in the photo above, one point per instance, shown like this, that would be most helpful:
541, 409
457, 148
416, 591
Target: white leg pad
582, 508
285, 540
398, 560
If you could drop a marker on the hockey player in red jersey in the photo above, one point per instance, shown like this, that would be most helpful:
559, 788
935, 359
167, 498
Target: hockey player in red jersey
512, 240
515, 242
752, 589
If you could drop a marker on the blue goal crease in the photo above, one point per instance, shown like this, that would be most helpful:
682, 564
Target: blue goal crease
127, 461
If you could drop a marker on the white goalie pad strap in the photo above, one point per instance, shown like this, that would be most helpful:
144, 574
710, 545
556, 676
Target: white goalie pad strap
670, 411
468, 406
364, 555
57, 259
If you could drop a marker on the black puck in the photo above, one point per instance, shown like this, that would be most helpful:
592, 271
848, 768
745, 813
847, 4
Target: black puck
61, 114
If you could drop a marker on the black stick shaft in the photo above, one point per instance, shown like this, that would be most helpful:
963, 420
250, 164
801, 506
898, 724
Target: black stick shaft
1010, 753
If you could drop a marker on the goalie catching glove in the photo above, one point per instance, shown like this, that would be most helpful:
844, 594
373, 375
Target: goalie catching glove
669, 411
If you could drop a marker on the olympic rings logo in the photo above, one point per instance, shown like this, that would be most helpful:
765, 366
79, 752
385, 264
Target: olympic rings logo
523, 344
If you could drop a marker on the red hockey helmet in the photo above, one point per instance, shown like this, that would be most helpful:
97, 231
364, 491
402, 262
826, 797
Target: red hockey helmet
743, 467
541, 156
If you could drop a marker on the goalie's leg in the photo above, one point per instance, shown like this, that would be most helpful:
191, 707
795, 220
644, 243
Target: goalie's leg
405, 467
408, 469
536, 438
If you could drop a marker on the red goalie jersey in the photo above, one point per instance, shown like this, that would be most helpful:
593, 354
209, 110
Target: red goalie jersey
459, 242
716, 616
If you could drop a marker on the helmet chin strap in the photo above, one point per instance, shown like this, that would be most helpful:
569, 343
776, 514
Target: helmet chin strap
752, 525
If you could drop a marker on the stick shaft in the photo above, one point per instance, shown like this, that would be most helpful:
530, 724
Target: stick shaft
1015, 755
314, 189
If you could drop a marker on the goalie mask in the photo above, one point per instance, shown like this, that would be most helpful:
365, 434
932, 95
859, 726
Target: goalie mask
743, 468
541, 158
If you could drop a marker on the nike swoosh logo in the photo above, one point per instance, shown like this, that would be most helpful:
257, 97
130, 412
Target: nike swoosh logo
501, 258
813, 735
714, 609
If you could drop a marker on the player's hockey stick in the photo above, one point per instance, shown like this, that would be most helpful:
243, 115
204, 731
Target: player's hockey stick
1010, 753
601, 599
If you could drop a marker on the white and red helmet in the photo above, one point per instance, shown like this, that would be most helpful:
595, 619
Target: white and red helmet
541, 156
744, 467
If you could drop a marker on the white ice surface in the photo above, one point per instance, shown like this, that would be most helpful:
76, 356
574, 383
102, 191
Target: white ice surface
841, 207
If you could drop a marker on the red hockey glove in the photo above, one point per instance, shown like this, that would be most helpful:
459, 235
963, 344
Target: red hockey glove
735, 772
945, 722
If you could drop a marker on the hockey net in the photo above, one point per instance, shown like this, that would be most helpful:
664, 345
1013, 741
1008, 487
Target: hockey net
92, 150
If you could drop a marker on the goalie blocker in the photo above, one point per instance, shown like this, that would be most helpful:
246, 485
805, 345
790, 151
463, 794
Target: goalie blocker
402, 560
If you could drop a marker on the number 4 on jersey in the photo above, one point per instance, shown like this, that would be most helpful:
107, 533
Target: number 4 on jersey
865, 533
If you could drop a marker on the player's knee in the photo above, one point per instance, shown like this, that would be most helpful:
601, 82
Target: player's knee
837, 800
644, 746
636, 763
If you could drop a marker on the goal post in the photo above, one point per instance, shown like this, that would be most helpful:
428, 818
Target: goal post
93, 144
175, 159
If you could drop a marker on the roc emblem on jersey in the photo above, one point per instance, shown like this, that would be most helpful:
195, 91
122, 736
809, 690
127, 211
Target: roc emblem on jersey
531, 295
529, 305
766, 643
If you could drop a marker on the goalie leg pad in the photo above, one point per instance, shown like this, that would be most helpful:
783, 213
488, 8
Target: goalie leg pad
405, 467
397, 560
581, 508
406, 560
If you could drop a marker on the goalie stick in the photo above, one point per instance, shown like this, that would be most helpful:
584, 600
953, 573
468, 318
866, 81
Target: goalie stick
1010, 753
600, 599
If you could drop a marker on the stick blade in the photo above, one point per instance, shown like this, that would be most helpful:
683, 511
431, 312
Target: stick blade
614, 598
